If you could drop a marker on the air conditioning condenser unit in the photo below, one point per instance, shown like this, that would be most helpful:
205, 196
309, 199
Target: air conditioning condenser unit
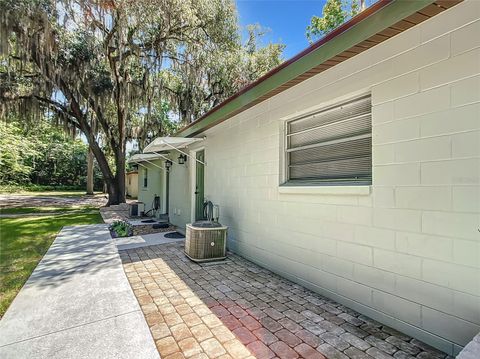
206, 241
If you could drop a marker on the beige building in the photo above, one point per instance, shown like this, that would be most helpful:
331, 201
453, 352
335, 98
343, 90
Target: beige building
131, 184
354, 169
152, 183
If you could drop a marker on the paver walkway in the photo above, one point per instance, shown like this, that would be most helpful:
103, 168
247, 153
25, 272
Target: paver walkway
77, 304
209, 311
114, 213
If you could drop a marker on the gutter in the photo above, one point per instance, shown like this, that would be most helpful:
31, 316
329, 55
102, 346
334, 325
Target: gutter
374, 19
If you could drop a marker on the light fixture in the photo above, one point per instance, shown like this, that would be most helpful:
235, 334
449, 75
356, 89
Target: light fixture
182, 159
168, 164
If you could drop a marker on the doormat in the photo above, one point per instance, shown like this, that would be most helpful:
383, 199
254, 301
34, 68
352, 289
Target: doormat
174, 235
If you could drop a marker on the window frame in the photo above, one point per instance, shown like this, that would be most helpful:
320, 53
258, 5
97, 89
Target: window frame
145, 177
286, 183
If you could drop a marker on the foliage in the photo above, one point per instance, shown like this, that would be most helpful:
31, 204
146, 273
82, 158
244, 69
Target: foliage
41, 156
335, 13
15, 149
24, 241
146, 127
210, 75
104, 66
121, 229
62, 161
259, 60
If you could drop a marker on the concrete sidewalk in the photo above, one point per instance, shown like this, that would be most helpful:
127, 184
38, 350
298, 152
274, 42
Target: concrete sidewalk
77, 304
144, 240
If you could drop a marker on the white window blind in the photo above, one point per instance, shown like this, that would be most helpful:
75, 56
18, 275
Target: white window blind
332, 146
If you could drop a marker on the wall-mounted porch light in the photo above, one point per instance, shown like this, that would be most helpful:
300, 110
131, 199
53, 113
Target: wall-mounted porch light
168, 164
182, 159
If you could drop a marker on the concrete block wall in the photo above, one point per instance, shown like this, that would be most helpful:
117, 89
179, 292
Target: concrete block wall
407, 253
156, 185
180, 194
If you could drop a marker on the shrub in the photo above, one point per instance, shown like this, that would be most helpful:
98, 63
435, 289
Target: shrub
121, 229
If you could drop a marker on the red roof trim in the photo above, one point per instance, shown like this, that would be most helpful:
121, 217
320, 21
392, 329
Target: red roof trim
339, 30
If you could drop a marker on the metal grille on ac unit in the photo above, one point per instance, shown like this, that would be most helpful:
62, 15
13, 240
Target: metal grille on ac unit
206, 241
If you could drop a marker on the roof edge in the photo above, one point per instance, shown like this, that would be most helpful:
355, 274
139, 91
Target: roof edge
381, 15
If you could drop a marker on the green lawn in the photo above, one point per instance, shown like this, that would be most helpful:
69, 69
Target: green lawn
24, 241
46, 193
22, 210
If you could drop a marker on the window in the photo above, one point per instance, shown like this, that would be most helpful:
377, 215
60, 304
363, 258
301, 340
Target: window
145, 178
332, 146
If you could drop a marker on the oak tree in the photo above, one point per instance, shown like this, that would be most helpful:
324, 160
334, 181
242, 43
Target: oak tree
335, 13
107, 67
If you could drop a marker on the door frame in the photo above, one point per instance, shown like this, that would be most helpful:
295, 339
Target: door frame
165, 191
193, 178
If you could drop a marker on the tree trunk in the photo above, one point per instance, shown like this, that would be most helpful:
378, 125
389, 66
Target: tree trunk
115, 182
116, 187
116, 194
113, 187
90, 172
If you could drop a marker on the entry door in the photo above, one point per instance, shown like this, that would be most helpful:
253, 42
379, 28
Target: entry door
199, 185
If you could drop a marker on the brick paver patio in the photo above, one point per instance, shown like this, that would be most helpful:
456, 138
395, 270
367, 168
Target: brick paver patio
238, 310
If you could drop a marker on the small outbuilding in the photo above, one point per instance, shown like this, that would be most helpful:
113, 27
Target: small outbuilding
152, 183
131, 184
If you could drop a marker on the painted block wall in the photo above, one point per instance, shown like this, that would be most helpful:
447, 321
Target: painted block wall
131, 183
408, 253
156, 185
180, 204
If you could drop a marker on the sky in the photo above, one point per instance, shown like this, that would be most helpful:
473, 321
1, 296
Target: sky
286, 19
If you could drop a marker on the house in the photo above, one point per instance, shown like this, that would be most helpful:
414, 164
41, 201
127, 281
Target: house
131, 184
152, 182
354, 168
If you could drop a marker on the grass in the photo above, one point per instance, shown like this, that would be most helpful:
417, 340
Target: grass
23, 210
47, 193
5, 188
24, 241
